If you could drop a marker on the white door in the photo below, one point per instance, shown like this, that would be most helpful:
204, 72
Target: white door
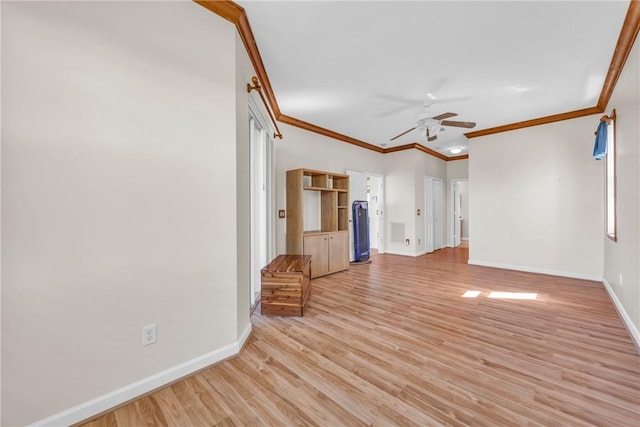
457, 232
437, 214
357, 191
428, 214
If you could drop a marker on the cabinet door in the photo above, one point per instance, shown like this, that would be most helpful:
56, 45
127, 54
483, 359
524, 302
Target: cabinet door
338, 251
318, 247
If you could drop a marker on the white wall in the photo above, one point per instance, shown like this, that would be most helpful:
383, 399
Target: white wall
458, 169
536, 199
121, 185
400, 199
622, 258
303, 149
244, 72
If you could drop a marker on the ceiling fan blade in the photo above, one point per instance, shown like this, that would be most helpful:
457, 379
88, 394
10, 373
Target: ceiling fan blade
393, 111
407, 103
455, 123
444, 116
403, 133
432, 138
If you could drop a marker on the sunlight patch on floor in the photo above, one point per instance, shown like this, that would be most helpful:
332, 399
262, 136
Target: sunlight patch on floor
471, 294
502, 295
513, 295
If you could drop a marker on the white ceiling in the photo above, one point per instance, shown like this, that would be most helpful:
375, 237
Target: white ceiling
364, 68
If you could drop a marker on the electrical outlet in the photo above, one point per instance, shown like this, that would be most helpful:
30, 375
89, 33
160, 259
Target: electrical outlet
620, 279
149, 335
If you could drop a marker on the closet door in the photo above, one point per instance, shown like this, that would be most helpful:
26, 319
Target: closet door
338, 251
438, 241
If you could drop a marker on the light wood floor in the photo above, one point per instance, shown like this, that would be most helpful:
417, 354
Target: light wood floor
394, 343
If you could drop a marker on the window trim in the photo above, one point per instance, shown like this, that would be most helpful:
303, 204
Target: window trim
611, 229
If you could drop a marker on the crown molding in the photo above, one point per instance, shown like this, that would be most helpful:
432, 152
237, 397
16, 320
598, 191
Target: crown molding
418, 147
534, 122
326, 132
627, 36
236, 14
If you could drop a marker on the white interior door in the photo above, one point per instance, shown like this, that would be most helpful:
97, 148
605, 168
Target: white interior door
357, 191
437, 214
428, 214
457, 232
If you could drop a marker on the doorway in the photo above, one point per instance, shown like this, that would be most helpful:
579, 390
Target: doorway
374, 197
370, 187
433, 208
459, 227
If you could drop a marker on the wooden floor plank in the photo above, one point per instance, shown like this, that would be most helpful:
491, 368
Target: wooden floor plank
394, 343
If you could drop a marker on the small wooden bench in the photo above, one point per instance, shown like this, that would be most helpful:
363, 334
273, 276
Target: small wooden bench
285, 285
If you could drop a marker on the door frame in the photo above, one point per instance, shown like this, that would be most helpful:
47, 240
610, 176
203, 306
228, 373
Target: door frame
429, 208
453, 215
380, 219
262, 219
381, 223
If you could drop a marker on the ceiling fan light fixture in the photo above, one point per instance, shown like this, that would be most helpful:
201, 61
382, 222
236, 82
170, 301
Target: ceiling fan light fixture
433, 127
455, 150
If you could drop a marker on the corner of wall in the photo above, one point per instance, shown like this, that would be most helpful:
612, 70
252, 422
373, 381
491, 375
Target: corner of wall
626, 319
243, 74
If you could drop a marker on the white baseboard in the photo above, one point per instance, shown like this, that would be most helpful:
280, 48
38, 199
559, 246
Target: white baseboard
536, 270
464, 239
633, 330
406, 253
117, 397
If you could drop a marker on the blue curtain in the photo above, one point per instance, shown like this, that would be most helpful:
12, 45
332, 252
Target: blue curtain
600, 149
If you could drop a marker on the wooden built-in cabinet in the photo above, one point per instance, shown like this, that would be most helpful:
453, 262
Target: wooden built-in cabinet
325, 238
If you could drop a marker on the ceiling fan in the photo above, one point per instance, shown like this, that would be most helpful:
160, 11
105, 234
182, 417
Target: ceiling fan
432, 126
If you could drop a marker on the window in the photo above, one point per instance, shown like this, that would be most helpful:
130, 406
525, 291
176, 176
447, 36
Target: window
261, 219
611, 176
